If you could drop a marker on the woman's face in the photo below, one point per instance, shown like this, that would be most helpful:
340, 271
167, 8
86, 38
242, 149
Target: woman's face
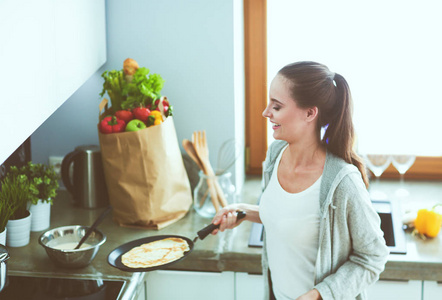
289, 122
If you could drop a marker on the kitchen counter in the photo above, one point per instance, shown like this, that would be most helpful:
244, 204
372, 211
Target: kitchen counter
227, 251
423, 260
211, 254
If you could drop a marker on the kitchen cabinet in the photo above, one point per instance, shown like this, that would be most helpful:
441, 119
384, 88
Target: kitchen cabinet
248, 286
141, 292
432, 290
392, 289
166, 285
48, 49
244, 286
203, 285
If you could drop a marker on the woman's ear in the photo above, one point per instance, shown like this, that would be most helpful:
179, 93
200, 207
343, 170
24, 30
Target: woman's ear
312, 113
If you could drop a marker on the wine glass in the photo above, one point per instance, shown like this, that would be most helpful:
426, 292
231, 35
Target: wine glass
402, 163
377, 164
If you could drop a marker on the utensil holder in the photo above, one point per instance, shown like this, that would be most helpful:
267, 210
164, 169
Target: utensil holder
202, 198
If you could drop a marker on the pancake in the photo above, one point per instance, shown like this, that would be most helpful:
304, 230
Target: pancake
155, 253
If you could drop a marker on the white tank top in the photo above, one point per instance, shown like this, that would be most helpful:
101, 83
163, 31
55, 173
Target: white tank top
291, 222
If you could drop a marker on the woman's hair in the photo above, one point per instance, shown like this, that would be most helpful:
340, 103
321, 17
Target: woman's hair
313, 84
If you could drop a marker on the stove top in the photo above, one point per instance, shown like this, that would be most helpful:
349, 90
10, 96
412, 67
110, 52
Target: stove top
37, 288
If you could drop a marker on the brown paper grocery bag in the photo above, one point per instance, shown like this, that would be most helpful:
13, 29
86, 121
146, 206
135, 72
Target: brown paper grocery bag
147, 183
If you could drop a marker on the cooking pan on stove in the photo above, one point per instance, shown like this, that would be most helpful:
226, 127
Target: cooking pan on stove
114, 258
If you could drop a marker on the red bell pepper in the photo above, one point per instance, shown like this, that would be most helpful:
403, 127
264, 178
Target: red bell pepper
112, 124
167, 108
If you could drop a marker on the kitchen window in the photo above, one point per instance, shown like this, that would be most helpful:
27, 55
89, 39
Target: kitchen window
387, 50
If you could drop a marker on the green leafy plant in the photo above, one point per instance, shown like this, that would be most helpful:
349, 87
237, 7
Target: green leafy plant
143, 89
114, 83
6, 212
43, 181
127, 91
14, 196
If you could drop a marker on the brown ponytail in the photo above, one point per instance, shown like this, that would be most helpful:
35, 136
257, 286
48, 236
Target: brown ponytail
314, 85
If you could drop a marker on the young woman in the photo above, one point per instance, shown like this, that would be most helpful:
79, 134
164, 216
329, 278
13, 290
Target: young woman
322, 236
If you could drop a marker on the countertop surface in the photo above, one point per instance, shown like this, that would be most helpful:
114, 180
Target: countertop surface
228, 251
423, 260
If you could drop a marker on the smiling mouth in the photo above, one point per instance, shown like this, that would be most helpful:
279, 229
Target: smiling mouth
276, 126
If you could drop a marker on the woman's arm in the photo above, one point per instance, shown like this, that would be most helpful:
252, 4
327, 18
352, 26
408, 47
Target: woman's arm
226, 217
310, 295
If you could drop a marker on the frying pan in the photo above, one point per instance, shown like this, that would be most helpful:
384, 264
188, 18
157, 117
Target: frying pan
114, 258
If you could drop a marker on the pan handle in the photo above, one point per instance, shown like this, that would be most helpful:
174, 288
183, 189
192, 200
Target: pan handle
211, 227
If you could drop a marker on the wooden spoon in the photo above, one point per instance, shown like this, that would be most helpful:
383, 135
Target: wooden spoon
200, 153
190, 149
202, 150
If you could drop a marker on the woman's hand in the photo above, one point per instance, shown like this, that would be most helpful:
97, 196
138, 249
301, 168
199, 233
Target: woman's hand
226, 217
310, 295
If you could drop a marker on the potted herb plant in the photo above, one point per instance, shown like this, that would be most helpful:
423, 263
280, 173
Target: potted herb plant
14, 196
5, 214
43, 185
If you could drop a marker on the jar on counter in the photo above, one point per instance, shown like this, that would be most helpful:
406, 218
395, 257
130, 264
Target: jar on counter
202, 199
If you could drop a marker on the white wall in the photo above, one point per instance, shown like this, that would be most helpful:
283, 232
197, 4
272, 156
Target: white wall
195, 45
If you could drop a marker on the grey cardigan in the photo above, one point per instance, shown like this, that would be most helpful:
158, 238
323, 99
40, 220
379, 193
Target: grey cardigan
352, 251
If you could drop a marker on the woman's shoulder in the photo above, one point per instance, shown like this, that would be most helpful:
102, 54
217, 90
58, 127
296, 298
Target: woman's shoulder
274, 150
276, 146
336, 167
341, 175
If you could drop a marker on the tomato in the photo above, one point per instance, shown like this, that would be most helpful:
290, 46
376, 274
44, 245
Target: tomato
141, 113
125, 115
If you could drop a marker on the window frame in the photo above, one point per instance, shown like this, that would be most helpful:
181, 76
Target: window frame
255, 48
255, 61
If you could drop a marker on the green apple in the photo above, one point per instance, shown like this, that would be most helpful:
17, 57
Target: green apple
135, 125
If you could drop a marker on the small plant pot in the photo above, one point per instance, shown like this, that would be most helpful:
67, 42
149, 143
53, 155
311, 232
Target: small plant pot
41, 215
3, 237
18, 232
